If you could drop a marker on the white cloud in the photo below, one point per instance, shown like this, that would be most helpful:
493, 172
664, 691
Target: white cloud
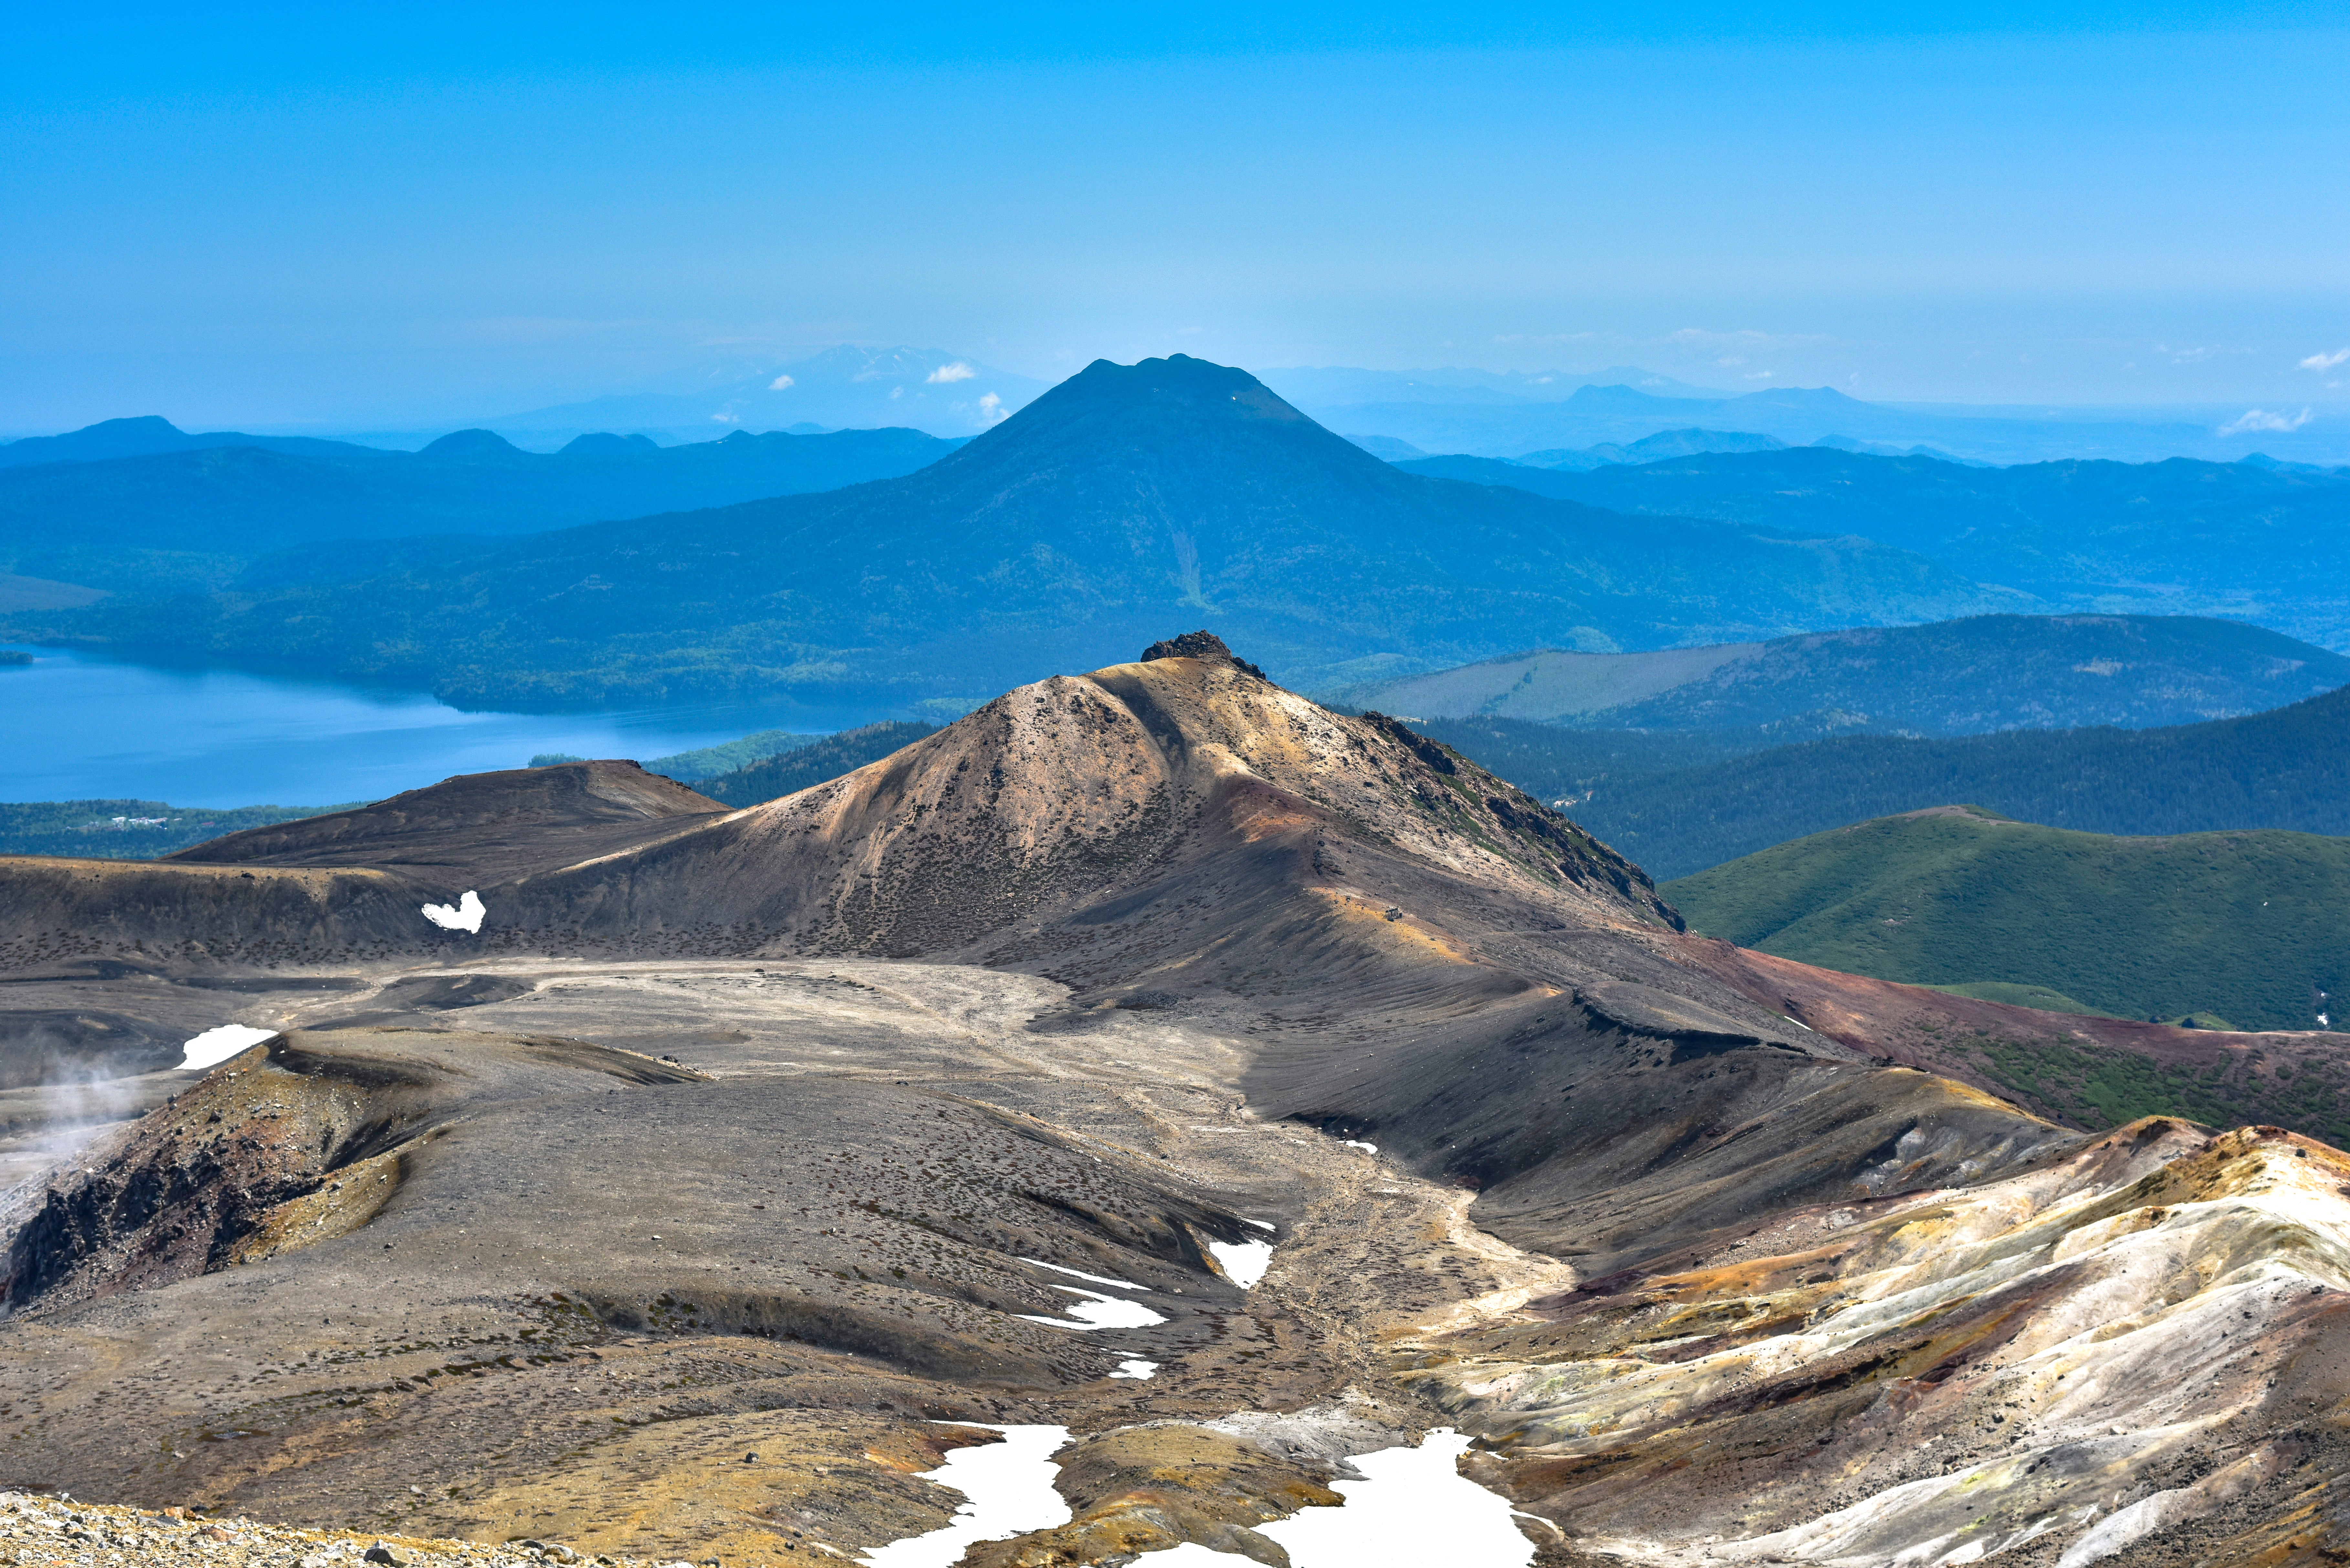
1745, 341
2327, 361
956, 371
780, 383
897, 391
2261, 420
990, 408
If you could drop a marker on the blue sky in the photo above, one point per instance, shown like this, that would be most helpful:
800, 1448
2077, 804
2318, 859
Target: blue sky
402, 216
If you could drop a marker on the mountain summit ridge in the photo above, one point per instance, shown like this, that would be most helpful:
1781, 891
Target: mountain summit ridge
1065, 534
1127, 976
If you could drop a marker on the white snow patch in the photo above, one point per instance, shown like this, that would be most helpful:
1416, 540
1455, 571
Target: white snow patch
216, 1045
465, 917
1081, 1274
1098, 1310
1010, 1488
1137, 1368
1260, 1224
1414, 1508
1357, 1143
1245, 1262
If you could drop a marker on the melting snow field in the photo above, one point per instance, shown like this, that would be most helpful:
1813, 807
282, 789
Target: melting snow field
1098, 1310
1137, 1368
1415, 1509
214, 1046
1243, 1262
1010, 1488
465, 917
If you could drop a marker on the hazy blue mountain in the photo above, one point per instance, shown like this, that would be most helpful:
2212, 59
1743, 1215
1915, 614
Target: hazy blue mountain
1621, 415
1951, 678
1387, 448
843, 387
1499, 471
146, 436
1309, 388
1648, 449
196, 518
1128, 498
2269, 543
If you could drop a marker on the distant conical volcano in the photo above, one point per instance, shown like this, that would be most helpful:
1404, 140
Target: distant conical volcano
1126, 497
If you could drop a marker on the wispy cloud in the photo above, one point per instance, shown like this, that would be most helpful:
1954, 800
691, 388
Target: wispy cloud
779, 384
2327, 361
990, 408
2261, 420
955, 371
1731, 349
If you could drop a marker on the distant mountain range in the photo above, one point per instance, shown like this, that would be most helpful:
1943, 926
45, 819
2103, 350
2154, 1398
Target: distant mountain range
1338, 387
1493, 424
1125, 497
2260, 541
137, 506
1951, 678
848, 386
149, 435
2242, 929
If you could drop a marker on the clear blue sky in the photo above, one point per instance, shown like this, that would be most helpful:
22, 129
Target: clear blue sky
394, 215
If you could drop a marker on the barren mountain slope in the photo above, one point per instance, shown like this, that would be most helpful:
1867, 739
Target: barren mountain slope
1109, 977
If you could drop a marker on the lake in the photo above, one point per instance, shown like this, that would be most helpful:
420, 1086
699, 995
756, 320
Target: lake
79, 728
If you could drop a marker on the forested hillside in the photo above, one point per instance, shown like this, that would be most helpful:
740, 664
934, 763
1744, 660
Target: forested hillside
2250, 930
2284, 769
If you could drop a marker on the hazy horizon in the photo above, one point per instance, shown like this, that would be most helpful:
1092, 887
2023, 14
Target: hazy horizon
282, 220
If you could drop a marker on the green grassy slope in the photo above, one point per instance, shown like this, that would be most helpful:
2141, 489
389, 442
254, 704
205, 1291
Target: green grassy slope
2253, 927
2284, 769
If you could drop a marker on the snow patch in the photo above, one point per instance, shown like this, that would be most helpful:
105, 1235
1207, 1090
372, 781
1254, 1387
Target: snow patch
465, 916
1260, 1224
216, 1045
1413, 1506
1009, 1488
1081, 1274
1245, 1262
1357, 1143
1098, 1310
1134, 1367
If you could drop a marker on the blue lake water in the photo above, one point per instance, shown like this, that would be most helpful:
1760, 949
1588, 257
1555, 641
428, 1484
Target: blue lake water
76, 728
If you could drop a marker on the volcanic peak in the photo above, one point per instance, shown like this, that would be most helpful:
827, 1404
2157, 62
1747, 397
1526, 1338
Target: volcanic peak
1200, 644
